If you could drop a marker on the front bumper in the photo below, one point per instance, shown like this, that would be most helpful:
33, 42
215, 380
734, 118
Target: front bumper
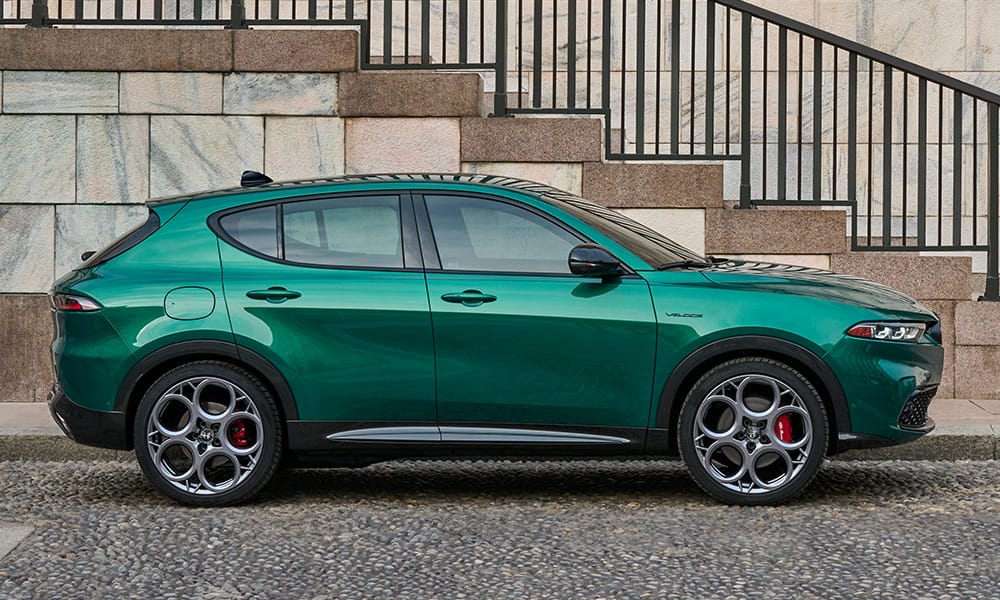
104, 429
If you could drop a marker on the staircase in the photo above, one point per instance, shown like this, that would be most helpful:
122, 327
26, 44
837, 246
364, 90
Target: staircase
720, 175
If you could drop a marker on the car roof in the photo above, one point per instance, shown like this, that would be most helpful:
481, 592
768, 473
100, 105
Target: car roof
485, 180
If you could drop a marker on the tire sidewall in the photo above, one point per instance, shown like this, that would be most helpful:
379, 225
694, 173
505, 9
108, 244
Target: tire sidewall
746, 366
270, 426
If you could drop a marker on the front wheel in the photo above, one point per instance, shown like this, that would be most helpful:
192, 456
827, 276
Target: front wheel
208, 434
753, 431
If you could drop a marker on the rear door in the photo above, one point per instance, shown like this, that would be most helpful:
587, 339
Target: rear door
331, 291
521, 343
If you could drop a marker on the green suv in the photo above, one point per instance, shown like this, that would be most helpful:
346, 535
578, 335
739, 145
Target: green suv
360, 319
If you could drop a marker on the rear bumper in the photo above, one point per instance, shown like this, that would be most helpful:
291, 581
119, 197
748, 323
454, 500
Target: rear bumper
104, 429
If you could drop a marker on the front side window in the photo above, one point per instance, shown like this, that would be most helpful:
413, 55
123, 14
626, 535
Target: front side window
364, 231
475, 234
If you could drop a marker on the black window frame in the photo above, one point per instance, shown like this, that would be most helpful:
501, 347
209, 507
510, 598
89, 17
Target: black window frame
428, 243
412, 259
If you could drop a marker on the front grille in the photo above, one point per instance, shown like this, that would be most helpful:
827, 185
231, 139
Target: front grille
914, 413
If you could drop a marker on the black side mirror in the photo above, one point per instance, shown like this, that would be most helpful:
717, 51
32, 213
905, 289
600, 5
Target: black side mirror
592, 260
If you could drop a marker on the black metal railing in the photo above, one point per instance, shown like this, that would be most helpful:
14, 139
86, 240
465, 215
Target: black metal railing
802, 117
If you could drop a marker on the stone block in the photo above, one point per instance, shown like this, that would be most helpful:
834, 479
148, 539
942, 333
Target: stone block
945, 310
930, 34
977, 323
37, 158
25, 362
112, 159
410, 94
982, 21
171, 93
60, 92
193, 153
812, 261
280, 94
976, 372
531, 140
564, 176
729, 231
653, 186
303, 147
402, 145
686, 226
88, 227
26, 248
921, 277
116, 49
295, 51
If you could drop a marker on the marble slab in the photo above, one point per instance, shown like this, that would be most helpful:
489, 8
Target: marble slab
171, 93
112, 159
81, 228
26, 248
280, 94
37, 158
60, 92
303, 147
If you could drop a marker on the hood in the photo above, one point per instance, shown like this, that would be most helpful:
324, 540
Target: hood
817, 283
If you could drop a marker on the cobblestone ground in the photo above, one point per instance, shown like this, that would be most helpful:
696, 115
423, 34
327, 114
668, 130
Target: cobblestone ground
506, 530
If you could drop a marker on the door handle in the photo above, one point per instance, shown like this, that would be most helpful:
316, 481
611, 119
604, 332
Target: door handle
468, 297
274, 295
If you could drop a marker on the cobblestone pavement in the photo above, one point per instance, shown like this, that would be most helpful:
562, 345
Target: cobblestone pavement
506, 530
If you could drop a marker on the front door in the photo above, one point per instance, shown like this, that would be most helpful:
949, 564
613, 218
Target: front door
521, 344
331, 291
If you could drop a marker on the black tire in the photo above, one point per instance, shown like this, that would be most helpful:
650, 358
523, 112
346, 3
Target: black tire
715, 447
204, 472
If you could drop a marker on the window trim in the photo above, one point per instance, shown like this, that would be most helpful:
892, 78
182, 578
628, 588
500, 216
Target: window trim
412, 261
428, 242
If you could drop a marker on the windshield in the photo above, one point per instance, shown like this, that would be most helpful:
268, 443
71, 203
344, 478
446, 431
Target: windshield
653, 248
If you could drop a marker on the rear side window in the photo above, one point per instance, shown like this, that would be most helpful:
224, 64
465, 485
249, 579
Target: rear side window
256, 229
363, 231
350, 232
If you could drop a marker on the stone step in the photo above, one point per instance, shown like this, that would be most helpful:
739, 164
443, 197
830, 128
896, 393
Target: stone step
774, 231
922, 277
622, 185
531, 139
410, 94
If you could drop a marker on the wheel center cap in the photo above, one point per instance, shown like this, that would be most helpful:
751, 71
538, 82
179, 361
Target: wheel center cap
752, 433
206, 435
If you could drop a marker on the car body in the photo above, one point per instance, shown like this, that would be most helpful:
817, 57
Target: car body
347, 321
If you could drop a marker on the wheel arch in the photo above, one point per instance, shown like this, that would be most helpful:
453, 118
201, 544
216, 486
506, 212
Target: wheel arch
145, 372
693, 366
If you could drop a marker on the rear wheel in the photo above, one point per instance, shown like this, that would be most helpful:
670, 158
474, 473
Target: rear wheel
753, 431
208, 434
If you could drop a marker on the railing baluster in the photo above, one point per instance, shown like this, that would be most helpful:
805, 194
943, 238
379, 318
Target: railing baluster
571, 57
675, 75
520, 52
536, 57
590, 36
349, 9
425, 32
922, 163
621, 124
463, 30
852, 138
500, 92
798, 123
555, 50
887, 158
940, 163
817, 119
659, 52
386, 32
406, 30
782, 178
120, 9
606, 71
871, 147
444, 30
763, 120
956, 208
482, 29
745, 64
694, 37
975, 170
640, 77
836, 121
729, 93
906, 134
993, 260
710, 79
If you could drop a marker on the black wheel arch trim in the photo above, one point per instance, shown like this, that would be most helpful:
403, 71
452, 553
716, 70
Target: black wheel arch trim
668, 409
208, 348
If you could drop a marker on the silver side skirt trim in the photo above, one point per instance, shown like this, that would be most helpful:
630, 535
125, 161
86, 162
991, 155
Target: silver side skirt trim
497, 435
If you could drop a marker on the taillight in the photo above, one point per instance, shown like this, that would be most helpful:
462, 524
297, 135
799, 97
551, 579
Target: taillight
69, 303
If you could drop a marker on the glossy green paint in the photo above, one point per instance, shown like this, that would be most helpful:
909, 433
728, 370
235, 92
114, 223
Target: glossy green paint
563, 350
380, 345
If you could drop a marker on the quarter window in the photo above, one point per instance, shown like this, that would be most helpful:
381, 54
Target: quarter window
256, 229
352, 232
474, 234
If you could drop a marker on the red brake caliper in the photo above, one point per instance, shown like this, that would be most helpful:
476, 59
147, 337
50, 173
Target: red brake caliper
783, 428
238, 434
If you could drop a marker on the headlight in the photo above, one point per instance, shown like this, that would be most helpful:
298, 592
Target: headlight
893, 332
